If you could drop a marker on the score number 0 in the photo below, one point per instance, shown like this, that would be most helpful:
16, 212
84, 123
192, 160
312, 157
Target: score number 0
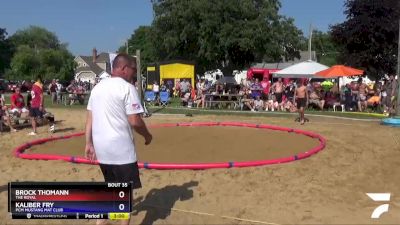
121, 195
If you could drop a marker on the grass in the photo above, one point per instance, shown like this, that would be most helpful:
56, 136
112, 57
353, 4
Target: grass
175, 108
195, 111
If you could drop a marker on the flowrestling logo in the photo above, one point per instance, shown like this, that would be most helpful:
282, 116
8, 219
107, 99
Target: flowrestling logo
379, 197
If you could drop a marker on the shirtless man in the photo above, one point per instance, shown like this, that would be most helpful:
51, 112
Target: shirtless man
301, 97
278, 89
362, 95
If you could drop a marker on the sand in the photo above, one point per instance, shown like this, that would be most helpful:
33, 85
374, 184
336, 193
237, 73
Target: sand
200, 145
327, 188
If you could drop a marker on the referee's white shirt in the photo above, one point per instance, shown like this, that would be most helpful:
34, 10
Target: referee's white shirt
111, 101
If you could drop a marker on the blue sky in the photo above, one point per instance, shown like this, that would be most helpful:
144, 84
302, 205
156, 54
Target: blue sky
106, 24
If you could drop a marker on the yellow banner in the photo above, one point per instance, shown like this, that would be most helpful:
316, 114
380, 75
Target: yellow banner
177, 70
151, 68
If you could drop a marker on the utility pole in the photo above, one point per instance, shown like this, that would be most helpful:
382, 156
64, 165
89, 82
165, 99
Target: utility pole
398, 77
309, 42
127, 47
139, 74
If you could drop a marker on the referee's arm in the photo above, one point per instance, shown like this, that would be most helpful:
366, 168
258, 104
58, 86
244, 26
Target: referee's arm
137, 123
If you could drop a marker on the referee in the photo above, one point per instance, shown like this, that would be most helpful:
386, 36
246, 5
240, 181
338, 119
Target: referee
112, 111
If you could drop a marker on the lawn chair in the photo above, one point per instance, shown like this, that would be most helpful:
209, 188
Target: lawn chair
164, 98
150, 97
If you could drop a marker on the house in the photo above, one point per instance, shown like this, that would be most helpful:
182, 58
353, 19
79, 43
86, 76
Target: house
92, 68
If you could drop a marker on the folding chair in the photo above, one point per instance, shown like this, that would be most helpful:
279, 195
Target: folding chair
149, 97
164, 98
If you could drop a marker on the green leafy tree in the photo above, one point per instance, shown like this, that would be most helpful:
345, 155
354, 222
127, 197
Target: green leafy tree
142, 39
36, 37
39, 52
25, 64
369, 36
327, 51
227, 33
5, 51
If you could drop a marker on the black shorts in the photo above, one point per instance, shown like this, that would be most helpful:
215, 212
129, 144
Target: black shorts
122, 173
278, 97
301, 102
35, 112
264, 96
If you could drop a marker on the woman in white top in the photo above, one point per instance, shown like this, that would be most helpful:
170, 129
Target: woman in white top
156, 90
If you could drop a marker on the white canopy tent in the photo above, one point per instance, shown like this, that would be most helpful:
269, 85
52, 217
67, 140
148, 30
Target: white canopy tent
306, 69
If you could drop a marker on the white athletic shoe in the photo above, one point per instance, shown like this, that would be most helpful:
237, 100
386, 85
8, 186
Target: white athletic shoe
32, 133
52, 129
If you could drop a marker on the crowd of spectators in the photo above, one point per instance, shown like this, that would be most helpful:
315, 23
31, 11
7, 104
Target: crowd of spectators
264, 95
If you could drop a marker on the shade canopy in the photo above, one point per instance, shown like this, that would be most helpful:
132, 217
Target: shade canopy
339, 71
306, 69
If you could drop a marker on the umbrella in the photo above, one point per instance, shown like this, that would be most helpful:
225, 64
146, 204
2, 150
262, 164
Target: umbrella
306, 69
339, 71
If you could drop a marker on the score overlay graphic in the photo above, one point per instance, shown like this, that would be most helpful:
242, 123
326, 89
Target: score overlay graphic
69, 200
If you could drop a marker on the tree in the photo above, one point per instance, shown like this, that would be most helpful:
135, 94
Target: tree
368, 38
36, 37
142, 39
39, 52
327, 51
227, 33
5, 51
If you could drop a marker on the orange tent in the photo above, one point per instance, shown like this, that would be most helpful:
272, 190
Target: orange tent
339, 71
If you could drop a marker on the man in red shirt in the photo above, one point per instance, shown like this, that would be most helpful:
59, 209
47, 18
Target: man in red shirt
36, 109
17, 103
37, 106
265, 86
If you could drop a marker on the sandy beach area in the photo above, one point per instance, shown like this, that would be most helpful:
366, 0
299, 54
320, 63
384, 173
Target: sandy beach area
327, 188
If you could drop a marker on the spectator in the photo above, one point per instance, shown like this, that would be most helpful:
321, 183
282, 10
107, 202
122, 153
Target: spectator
265, 85
59, 91
219, 87
177, 89
362, 95
18, 108
289, 90
384, 95
53, 91
256, 89
37, 106
156, 90
391, 90
4, 115
374, 101
163, 87
201, 92
258, 104
331, 100
271, 103
316, 98
184, 87
246, 101
186, 98
277, 89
